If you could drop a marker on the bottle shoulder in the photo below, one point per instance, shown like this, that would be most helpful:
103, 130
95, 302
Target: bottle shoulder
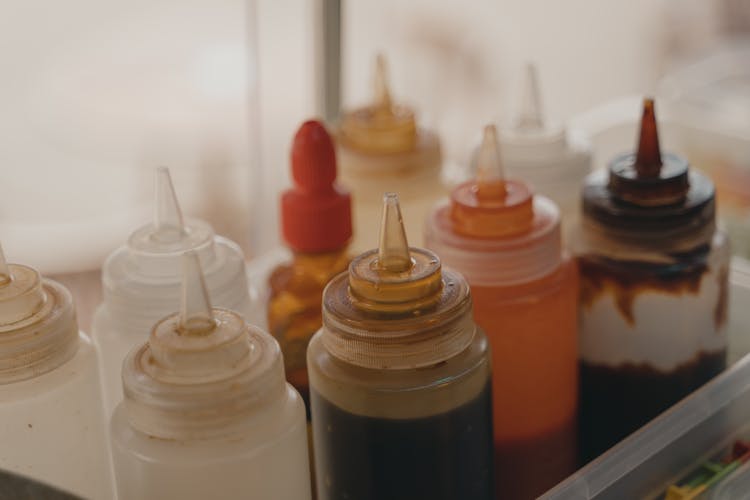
280, 423
79, 373
441, 387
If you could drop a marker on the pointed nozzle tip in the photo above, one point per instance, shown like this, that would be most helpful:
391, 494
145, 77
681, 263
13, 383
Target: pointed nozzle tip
490, 172
168, 223
530, 115
5, 274
648, 157
382, 90
393, 251
196, 312
313, 156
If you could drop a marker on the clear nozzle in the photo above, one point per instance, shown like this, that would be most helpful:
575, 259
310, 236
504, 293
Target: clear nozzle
383, 102
648, 158
168, 224
530, 114
5, 275
196, 313
393, 251
490, 172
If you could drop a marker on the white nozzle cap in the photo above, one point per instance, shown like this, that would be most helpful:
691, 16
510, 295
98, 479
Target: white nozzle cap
530, 115
393, 250
168, 224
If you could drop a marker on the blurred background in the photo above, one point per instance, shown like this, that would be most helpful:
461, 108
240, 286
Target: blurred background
97, 93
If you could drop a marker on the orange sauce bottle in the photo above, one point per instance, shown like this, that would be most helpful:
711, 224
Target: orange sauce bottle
506, 242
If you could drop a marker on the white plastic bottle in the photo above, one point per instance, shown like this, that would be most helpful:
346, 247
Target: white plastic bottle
52, 425
544, 154
207, 412
141, 282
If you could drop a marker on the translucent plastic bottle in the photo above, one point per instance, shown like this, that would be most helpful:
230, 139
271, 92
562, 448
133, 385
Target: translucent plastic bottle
207, 412
316, 225
141, 281
381, 149
544, 154
653, 289
400, 379
53, 424
506, 242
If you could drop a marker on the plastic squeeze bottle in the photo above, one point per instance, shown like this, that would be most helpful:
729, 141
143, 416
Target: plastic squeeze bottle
316, 225
207, 412
53, 424
506, 242
400, 379
653, 289
381, 149
141, 281
544, 154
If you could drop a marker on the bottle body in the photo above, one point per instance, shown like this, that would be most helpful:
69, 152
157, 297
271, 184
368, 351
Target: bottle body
653, 329
406, 433
54, 428
269, 462
294, 308
415, 175
532, 330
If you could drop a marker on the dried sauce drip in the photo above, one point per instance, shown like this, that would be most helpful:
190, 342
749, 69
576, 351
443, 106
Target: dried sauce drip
720, 311
627, 279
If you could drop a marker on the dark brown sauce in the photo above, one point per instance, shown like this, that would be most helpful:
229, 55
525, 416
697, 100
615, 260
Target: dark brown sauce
617, 400
447, 456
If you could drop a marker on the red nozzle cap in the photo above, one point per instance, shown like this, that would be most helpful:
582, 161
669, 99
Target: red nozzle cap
315, 213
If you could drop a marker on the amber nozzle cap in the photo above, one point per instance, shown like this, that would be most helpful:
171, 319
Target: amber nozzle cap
394, 278
648, 177
383, 127
491, 205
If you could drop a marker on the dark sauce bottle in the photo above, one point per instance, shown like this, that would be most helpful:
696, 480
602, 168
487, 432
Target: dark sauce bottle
653, 290
400, 380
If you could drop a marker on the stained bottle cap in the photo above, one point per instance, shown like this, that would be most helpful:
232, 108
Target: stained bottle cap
491, 205
396, 307
38, 328
493, 229
650, 193
394, 277
203, 372
649, 178
316, 212
383, 127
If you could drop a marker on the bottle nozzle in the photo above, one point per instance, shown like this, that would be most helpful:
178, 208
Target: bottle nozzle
196, 313
393, 252
648, 159
5, 274
168, 223
530, 116
383, 102
490, 174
